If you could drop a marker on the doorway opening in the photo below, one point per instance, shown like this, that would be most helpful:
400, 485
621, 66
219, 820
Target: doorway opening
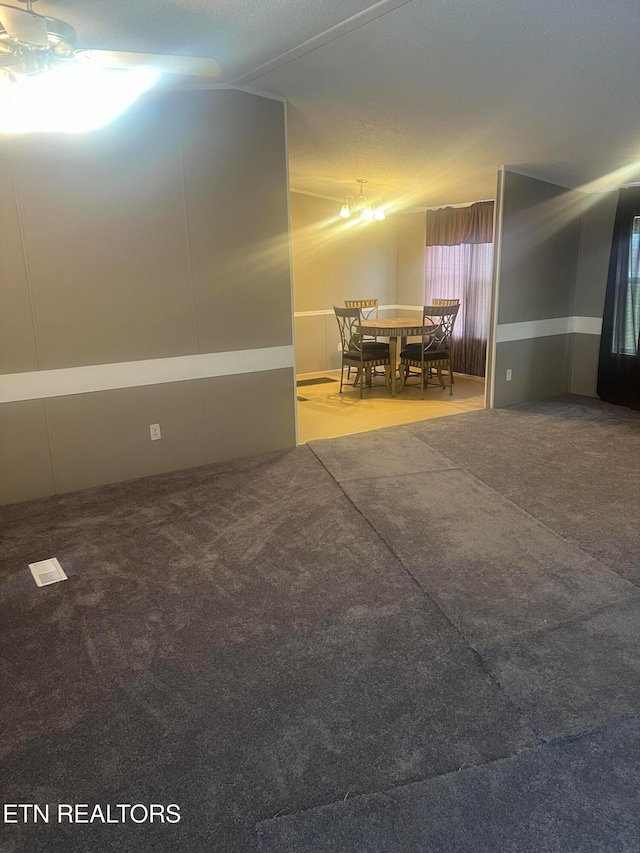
402, 264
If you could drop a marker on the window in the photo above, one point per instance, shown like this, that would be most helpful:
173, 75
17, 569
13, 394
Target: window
627, 330
619, 363
463, 272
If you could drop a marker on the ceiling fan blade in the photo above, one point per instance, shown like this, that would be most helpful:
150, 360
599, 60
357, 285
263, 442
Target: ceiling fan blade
24, 27
194, 66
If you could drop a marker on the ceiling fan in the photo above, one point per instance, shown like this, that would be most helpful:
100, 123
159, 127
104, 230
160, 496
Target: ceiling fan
32, 43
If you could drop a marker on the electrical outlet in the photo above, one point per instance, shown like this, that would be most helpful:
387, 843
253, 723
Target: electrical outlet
339, 347
509, 375
154, 430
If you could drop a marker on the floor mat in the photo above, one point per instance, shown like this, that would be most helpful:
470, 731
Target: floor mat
319, 380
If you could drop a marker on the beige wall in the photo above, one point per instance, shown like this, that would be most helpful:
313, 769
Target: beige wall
136, 243
412, 236
334, 260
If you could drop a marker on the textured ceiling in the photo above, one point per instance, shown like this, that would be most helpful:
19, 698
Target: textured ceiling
424, 98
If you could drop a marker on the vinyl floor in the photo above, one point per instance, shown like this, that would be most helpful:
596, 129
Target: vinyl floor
325, 413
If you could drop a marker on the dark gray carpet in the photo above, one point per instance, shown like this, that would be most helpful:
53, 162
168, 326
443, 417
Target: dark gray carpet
147, 558
494, 570
576, 795
234, 639
381, 453
257, 639
236, 731
573, 463
576, 675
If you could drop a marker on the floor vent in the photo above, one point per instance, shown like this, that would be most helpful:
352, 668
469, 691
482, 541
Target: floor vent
47, 571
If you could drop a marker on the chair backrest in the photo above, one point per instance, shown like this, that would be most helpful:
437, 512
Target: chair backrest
443, 317
438, 300
368, 307
348, 320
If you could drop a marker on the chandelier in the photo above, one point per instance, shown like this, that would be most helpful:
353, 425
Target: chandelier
366, 209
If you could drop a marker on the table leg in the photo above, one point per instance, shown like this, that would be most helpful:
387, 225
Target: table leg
401, 375
393, 364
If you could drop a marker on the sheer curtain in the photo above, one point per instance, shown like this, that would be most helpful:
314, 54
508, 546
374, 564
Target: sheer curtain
458, 265
619, 365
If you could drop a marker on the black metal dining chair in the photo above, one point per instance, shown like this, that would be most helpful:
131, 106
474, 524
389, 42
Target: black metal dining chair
369, 309
434, 350
441, 300
362, 354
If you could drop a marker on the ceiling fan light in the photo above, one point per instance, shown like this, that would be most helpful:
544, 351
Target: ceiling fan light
70, 100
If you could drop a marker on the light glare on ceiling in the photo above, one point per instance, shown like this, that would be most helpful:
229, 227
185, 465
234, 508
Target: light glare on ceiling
71, 99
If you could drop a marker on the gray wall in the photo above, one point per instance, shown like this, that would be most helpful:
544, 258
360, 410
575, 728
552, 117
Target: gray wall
552, 264
160, 236
537, 266
593, 268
